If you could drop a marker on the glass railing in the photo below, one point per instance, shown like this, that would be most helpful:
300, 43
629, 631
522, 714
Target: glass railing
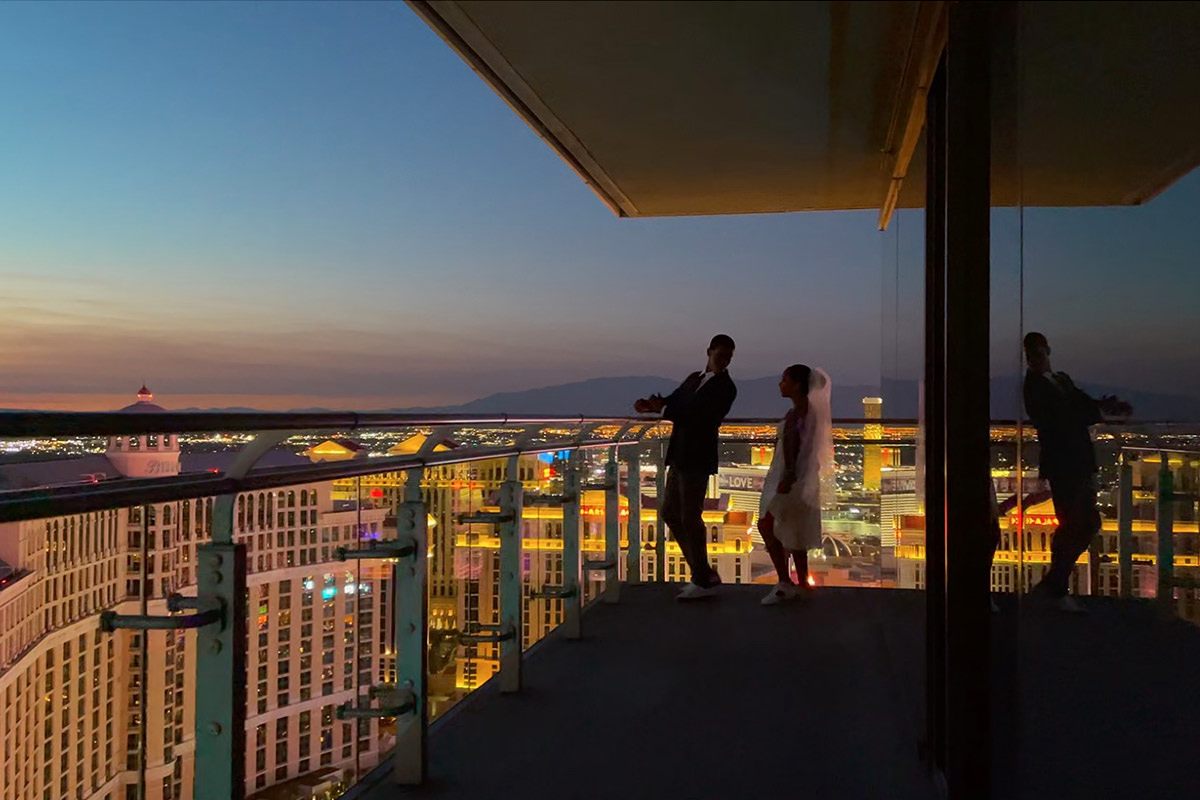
392, 566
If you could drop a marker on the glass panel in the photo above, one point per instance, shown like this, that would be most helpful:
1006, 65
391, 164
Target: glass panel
891, 470
1108, 196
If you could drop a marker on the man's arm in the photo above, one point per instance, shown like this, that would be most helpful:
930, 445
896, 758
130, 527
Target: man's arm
677, 405
656, 402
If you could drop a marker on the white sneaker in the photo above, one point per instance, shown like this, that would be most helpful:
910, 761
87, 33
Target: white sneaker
695, 591
1068, 605
780, 592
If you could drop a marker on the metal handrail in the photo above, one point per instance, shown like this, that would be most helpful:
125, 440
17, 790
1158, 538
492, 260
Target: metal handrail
54, 501
50, 424
57, 424
1191, 451
49, 501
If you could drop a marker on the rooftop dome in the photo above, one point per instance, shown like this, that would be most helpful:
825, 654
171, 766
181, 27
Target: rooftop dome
145, 402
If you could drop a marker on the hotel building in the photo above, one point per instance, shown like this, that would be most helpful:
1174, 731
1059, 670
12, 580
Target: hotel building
88, 714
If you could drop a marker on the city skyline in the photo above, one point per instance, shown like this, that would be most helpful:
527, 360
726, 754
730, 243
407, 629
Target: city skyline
320, 205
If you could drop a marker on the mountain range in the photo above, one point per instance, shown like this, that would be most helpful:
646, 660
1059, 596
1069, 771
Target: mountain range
759, 397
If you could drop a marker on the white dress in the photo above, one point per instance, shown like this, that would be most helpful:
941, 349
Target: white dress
797, 513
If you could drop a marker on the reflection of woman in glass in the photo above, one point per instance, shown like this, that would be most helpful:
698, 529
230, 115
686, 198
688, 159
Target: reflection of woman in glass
789, 514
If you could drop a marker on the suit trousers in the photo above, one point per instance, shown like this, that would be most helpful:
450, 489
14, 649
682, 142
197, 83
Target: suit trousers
1078, 522
681, 509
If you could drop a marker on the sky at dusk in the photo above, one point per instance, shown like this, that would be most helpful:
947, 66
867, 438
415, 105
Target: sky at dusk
319, 204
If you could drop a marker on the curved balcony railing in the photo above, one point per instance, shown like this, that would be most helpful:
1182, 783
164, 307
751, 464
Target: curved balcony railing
480, 556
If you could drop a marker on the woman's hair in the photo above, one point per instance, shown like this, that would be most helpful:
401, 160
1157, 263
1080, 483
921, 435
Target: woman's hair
801, 374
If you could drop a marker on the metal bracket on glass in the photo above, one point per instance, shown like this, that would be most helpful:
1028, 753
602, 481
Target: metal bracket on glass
553, 592
111, 621
592, 566
485, 518
483, 634
386, 549
546, 499
394, 702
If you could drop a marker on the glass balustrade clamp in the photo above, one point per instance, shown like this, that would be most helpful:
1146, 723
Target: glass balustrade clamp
485, 634
390, 548
395, 701
111, 621
485, 518
553, 592
546, 499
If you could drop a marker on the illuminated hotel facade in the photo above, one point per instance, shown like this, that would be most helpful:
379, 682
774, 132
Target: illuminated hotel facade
85, 711
1034, 558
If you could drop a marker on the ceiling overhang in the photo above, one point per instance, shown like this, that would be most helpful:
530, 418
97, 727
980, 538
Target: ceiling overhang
672, 108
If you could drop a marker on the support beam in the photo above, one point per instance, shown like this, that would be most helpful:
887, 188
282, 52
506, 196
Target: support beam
410, 758
1125, 530
510, 579
933, 419
1165, 527
660, 528
633, 494
908, 118
967, 419
612, 528
573, 602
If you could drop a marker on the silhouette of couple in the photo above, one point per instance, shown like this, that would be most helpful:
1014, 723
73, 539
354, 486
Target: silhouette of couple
790, 509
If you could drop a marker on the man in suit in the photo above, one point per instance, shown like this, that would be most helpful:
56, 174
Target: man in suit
695, 410
1063, 415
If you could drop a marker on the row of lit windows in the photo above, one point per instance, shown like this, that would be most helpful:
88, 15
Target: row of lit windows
29, 710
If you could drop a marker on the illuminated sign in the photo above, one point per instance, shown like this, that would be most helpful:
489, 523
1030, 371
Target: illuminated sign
1039, 519
897, 485
740, 483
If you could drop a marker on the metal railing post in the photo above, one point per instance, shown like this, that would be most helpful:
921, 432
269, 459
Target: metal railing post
1166, 535
660, 527
633, 493
221, 662
612, 528
573, 590
1125, 530
410, 758
221, 649
510, 579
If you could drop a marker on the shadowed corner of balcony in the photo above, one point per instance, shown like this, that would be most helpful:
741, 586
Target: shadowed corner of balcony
726, 698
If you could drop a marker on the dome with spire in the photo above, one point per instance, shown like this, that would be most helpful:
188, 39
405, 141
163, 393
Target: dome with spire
145, 402
144, 455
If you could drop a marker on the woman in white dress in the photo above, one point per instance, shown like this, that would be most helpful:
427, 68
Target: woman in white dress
789, 514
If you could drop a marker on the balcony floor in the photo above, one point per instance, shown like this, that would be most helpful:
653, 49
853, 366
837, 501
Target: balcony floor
726, 699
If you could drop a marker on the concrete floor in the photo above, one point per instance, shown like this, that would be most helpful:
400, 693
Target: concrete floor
724, 698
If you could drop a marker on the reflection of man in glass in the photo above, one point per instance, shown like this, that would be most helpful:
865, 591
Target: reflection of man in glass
1063, 414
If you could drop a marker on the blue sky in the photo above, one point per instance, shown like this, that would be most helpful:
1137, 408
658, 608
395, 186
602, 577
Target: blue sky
320, 204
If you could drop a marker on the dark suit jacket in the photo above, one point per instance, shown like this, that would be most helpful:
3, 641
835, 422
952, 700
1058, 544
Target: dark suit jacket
696, 417
1062, 414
